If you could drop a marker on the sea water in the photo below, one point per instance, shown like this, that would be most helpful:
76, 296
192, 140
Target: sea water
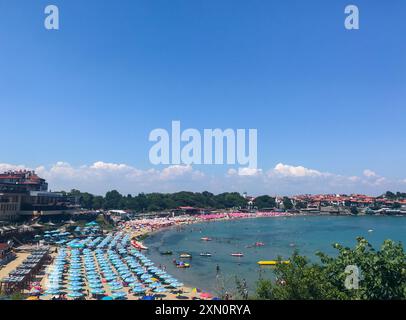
281, 236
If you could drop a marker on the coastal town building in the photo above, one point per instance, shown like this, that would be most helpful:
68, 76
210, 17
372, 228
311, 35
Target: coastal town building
24, 193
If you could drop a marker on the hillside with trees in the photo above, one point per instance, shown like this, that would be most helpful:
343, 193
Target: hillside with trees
159, 201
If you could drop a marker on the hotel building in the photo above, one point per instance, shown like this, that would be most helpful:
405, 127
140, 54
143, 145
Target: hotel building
23, 193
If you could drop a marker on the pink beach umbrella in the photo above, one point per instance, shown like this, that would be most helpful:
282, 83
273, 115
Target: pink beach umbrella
206, 295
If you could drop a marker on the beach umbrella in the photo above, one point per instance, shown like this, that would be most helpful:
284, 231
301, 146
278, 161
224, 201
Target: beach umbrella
107, 298
160, 289
119, 295
206, 295
75, 294
116, 288
73, 272
134, 284
52, 291
138, 290
112, 278
35, 292
154, 285
94, 285
97, 291
94, 278
75, 288
90, 268
148, 298
92, 272
174, 285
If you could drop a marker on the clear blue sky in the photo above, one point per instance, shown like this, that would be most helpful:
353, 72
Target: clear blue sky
320, 96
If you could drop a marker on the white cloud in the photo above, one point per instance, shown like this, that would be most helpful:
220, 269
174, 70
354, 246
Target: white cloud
369, 173
7, 167
100, 165
176, 171
247, 172
292, 171
283, 179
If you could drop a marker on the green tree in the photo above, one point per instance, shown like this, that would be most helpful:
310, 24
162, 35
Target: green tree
98, 202
382, 275
265, 201
390, 195
112, 200
287, 203
300, 205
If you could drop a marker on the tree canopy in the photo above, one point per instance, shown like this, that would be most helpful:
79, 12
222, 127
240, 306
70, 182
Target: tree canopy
159, 201
382, 275
263, 202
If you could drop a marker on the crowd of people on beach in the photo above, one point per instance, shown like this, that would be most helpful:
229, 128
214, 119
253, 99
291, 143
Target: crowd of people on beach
144, 226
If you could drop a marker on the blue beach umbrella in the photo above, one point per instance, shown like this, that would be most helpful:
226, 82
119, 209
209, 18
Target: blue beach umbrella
52, 292
134, 284
160, 289
119, 295
174, 285
97, 291
75, 294
116, 288
138, 290
75, 288
95, 285
92, 273
130, 280
76, 283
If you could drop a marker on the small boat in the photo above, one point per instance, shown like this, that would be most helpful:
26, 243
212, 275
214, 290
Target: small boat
206, 239
138, 245
237, 254
259, 244
272, 262
183, 265
185, 256
166, 253
205, 254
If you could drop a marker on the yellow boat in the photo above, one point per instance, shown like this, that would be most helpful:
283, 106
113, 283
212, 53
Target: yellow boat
272, 262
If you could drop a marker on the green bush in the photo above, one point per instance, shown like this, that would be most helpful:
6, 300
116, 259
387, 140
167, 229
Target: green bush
382, 275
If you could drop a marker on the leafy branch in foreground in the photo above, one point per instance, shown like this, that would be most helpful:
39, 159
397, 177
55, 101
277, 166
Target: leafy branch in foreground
382, 275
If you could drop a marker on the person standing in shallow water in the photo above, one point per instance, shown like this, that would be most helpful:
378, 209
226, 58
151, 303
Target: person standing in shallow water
217, 269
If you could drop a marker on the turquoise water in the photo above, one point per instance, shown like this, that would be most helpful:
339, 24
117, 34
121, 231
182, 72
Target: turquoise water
281, 236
